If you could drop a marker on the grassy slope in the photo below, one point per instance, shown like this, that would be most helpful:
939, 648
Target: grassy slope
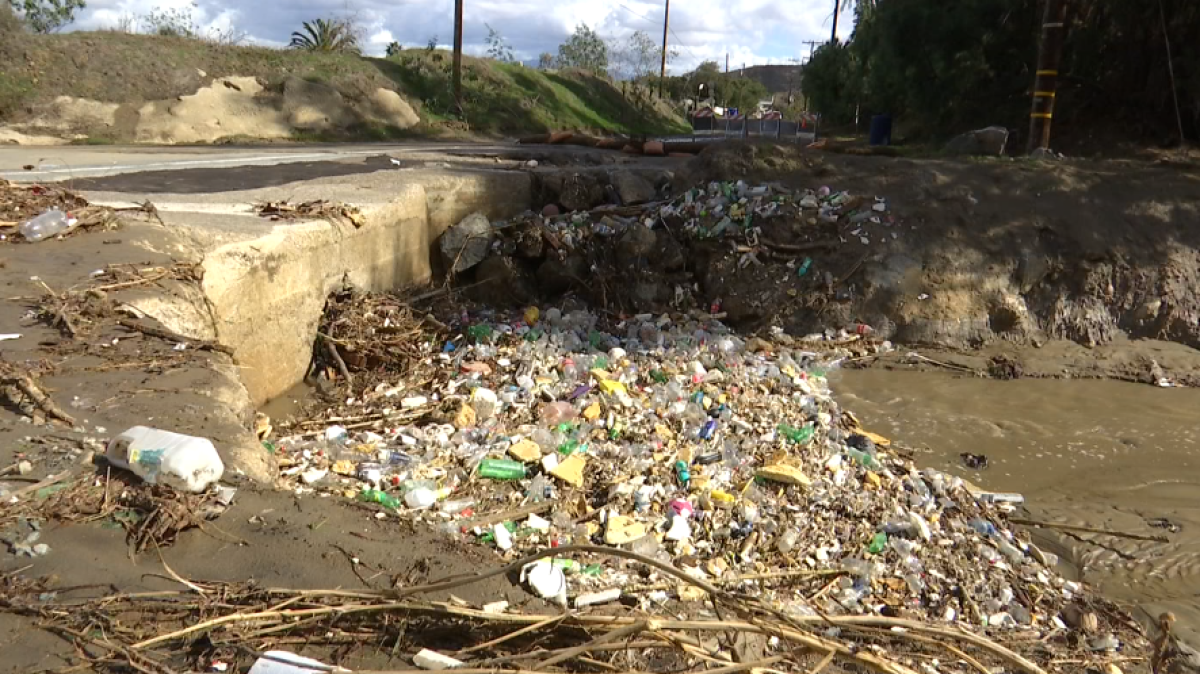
505, 97
122, 68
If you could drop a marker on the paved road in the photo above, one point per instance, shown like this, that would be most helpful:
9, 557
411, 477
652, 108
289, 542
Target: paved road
64, 162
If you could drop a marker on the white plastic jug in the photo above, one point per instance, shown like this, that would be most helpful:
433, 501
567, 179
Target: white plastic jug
179, 461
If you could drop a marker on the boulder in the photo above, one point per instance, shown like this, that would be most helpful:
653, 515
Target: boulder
632, 188
637, 242
501, 281
466, 244
668, 254
988, 141
581, 192
558, 276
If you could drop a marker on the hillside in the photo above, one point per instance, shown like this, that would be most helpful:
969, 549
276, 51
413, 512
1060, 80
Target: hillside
776, 79
511, 97
117, 87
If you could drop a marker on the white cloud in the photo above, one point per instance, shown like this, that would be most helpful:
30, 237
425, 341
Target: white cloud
750, 31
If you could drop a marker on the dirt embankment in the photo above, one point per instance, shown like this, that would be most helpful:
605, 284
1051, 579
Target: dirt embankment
114, 87
965, 254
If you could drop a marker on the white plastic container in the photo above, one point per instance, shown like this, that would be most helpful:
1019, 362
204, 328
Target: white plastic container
181, 462
51, 223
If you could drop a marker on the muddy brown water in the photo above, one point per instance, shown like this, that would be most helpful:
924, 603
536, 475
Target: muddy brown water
1099, 454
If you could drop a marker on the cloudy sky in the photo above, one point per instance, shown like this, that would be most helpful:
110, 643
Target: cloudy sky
750, 31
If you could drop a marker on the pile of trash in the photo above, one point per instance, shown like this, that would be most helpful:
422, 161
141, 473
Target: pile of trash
663, 255
673, 438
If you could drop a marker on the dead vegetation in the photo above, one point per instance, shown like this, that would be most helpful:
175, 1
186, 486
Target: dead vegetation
236, 622
152, 515
19, 203
319, 209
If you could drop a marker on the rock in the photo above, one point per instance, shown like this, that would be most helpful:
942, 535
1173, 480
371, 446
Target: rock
570, 470
558, 276
785, 474
466, 244
581, 192
668, 254
632, 188
648, 295
531, 244
551, 210
637, 242
989, 141
623, 529
527, 451
501, 281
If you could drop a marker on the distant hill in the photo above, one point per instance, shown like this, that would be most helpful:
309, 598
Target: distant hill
776, 79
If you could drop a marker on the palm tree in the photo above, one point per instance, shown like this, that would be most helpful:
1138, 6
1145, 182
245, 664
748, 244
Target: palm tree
327, 35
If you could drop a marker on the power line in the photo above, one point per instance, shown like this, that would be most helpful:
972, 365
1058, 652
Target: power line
678, 42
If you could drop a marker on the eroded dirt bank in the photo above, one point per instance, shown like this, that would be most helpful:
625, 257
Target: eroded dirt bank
952, 254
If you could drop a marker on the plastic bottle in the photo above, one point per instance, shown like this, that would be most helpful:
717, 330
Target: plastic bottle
502, 469
878, 543
179, 461
51, 223
798, 436
378, 496
787, 541
421, 497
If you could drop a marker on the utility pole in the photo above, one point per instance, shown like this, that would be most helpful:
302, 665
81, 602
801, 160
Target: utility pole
726, 63
458, 45
812, 44
837, 5
1045, 83
662, 75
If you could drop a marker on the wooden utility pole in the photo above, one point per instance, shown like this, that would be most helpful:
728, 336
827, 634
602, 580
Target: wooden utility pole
726, 63
1045, 82
812, 44
458, 45
837, 5
662, 75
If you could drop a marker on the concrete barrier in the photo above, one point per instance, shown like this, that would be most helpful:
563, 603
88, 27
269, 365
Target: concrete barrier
265, 283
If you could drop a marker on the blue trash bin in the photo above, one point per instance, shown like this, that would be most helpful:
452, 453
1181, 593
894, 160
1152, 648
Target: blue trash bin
881, 130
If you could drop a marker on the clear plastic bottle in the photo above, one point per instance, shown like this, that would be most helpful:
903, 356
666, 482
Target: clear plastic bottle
51, 223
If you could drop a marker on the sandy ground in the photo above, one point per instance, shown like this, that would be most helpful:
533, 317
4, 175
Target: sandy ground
1041, 233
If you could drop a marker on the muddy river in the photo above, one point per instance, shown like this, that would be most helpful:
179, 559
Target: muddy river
1099, 454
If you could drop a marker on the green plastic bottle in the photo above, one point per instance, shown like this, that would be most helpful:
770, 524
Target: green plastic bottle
379, 496
570, 447
479, 332
502, 469
658, 376
878, 543
862, 458
797, 436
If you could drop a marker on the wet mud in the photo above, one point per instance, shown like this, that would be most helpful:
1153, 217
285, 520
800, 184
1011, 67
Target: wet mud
1102, 455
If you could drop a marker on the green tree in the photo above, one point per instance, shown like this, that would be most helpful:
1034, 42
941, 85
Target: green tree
584, 50
637, 57
326, 35
742, 93
393, 49
832, 83
546, 61
497, 47
47, 16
